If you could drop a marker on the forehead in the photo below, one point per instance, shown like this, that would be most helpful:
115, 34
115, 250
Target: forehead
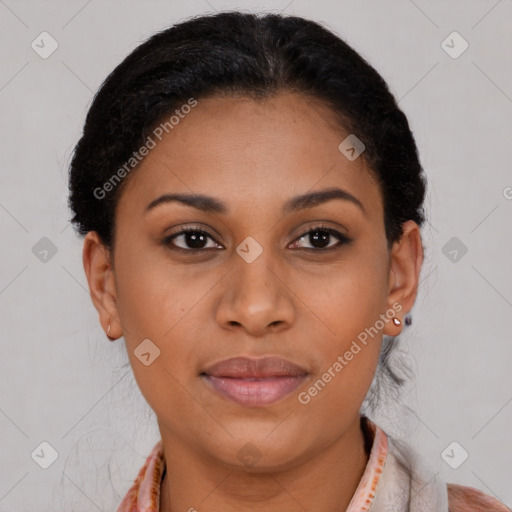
240, 149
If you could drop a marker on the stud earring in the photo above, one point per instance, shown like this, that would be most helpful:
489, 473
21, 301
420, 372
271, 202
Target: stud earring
108, 334
396, 321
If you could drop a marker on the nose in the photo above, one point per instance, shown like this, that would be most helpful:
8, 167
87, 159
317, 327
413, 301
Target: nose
256, 298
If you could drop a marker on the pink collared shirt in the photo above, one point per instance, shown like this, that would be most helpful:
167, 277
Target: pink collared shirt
144, 495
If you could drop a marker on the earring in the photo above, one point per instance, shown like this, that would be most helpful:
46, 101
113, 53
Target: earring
108, 334
396, 321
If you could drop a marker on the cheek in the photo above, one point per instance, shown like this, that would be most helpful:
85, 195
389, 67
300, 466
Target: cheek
166, 304
156, 304
347, 307
152, 294
347, 361
346, 299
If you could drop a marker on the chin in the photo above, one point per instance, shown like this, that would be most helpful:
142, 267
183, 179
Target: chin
261, 453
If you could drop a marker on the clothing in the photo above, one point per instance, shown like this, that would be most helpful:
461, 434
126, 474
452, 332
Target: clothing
393, 481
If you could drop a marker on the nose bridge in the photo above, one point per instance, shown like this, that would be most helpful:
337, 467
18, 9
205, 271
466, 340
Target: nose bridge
257, 297
254, 279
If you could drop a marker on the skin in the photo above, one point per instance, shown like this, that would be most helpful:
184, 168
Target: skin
293, 301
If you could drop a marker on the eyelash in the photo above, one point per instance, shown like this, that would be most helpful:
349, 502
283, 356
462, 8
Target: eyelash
342, 239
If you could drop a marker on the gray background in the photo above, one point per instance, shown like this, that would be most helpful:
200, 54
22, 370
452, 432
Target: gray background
62, 382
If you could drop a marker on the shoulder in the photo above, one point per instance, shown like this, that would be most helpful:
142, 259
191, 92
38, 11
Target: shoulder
462, 498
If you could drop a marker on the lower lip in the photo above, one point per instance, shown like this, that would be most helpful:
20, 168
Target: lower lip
258, 392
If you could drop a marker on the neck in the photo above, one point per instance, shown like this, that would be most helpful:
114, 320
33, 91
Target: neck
326, 481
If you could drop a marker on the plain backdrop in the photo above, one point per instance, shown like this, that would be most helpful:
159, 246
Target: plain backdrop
63, 383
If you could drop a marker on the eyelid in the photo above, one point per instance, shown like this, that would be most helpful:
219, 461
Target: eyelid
320, 226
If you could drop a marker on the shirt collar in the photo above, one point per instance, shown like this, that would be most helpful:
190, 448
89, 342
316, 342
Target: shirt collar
365, 492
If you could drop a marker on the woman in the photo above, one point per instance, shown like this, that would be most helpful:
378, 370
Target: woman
251, 199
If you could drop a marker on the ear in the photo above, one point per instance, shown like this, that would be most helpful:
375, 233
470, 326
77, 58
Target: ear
405, 263
100, 276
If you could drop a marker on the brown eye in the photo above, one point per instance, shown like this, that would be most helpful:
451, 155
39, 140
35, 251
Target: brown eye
191, 239
320, 239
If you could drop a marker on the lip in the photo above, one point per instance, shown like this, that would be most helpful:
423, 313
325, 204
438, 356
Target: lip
247, 367
254, 382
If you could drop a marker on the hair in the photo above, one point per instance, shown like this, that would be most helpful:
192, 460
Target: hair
259, 56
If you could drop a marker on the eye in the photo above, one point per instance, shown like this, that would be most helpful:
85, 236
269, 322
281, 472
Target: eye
319, 237
192, 239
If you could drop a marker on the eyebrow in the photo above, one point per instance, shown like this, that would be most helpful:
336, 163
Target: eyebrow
210, 204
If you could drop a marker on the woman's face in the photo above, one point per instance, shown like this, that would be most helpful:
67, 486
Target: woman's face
310, 281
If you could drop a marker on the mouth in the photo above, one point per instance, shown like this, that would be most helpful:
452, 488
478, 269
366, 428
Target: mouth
254, 382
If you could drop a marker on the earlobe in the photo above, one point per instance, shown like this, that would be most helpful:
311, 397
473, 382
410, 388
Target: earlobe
100, 277
406, 259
